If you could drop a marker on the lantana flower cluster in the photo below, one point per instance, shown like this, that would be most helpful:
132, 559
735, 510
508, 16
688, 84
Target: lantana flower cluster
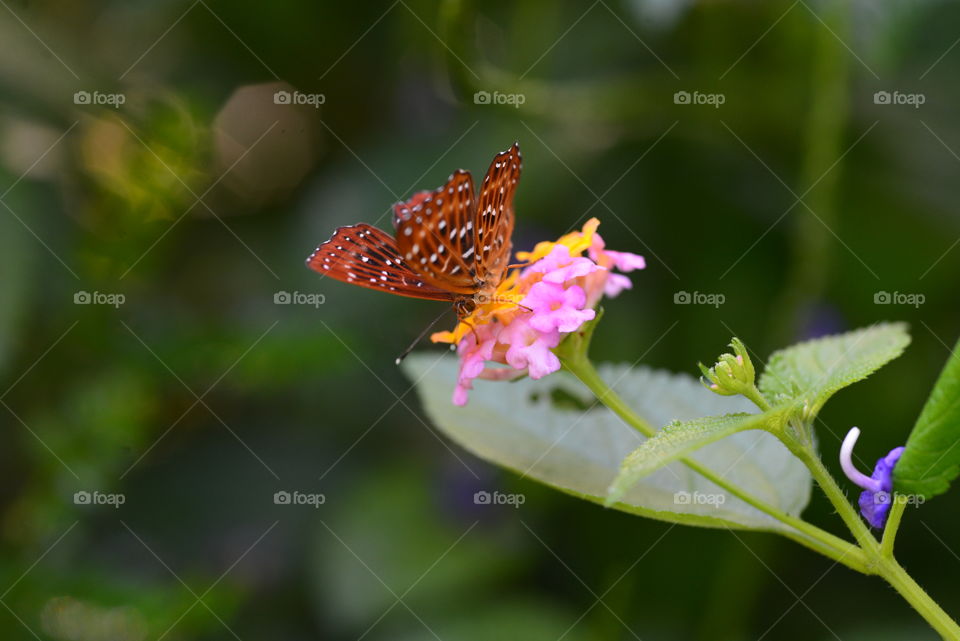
552, 293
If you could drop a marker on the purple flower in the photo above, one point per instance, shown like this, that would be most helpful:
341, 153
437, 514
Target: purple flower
877, 492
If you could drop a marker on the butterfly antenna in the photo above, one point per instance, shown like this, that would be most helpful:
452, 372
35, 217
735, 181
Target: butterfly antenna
420, 337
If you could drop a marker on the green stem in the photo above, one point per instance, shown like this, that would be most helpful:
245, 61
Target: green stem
903, 583
837, 497
893, 524
753, 395
880, 555
869, 557
807, 534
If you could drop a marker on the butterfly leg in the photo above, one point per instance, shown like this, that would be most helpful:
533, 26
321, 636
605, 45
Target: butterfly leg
473, 331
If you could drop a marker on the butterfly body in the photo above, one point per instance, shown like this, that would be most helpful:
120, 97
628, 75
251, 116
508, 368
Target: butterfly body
450, 244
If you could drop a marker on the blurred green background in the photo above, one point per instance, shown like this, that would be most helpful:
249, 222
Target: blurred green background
157, 199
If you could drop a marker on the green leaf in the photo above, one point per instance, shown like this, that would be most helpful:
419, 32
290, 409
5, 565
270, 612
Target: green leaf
538, 429
679, 438
809, 373
931, 459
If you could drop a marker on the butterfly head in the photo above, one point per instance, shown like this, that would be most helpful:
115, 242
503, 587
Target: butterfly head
464, 306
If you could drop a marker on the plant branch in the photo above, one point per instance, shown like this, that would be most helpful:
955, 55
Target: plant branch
893, 524
806, 533
880, 555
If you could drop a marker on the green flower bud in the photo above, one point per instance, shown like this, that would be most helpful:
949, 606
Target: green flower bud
732, 374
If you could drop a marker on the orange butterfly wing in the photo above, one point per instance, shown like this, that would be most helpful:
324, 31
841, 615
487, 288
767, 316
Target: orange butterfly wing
450, 243
366, 256
495, 215
435, 234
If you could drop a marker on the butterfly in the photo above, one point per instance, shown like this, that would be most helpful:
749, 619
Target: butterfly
452, 244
